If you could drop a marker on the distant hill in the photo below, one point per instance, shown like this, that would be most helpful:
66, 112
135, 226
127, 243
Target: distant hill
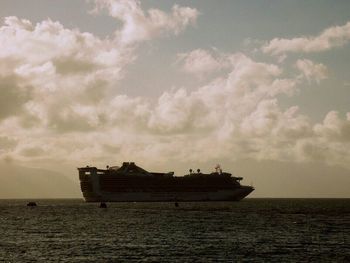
23, 182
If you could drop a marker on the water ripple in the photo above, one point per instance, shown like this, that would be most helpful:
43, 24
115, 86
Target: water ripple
254, 230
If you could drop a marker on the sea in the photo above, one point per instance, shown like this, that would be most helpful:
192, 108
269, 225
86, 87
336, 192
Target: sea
252, 230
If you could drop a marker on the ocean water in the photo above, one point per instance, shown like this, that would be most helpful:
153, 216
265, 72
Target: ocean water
253, 230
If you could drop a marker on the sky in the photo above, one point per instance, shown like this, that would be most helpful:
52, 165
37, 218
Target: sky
261, 87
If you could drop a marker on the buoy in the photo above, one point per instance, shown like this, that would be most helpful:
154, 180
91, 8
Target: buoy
176, 204
31, 204
103, 205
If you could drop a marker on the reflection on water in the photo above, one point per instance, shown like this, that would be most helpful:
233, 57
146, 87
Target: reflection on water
253, 230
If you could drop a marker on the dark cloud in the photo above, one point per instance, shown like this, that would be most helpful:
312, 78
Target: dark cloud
313, 151
13, 96
32, 151
94, 92
111, 148
28, 120
7, 143
67, 66
67, 120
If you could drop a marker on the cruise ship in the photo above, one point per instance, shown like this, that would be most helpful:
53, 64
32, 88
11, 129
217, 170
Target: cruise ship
131, 183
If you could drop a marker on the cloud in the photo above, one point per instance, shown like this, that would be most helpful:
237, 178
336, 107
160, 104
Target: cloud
329, 141
312, 71
32, 152
13, 96
74, 118
234, 116
60, 102
49, 56
200, 61
336, 36
139, 25
177, 112
7, 143
29, 47
222, 115
334, 128
247, 83
45, 67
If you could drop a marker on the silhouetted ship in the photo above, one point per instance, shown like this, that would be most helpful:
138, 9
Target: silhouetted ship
130, 183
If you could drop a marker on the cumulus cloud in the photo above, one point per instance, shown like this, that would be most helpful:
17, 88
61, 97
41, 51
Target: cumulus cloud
177, 112
247, 83
312, 71
48, 51
329, 141
48, 46
45, 67
334, 128
268, 119
7, 143
331, 37
238, 114
59, 99
13, 96
32, 152
225, 113
139, 25
200, 61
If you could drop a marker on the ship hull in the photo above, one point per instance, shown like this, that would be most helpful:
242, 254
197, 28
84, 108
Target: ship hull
220, 195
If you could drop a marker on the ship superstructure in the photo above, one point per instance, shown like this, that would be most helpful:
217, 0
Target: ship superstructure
131, 183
